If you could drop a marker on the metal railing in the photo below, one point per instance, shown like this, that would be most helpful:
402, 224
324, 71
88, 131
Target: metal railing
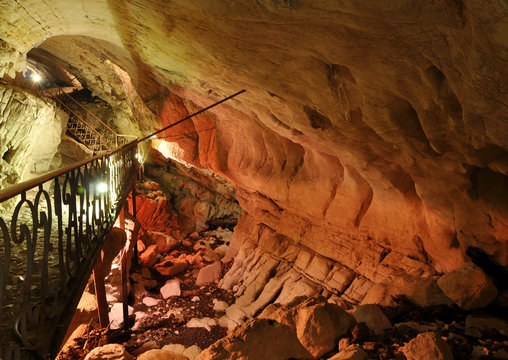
51, 230
49, 240
96, 134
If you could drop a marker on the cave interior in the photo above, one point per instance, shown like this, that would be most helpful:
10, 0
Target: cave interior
350, 203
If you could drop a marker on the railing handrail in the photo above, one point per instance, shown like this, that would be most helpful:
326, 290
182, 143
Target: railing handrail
88, 111
18, 188
76, 115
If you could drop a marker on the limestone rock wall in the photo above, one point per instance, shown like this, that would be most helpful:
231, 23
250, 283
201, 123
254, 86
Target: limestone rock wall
31, 130
373, 136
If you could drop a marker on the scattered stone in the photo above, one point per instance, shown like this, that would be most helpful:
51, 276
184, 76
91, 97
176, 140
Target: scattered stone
319, 325
150, 185
192, 352
149, 301
158, 354
427, 346
479, 351
116, 315
169, 268
176, 313
149, 257
139, 291
187, 242
109, 352
205, 323
194, 235
194, 259
195, 298
468, 286
210, 256
219, 305
164, 242
373, 316
209, 274
171, 288
221, 250
175, 348
352, 352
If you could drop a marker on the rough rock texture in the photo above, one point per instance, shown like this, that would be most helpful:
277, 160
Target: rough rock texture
427, 346
258, 339
158, 354
109, 352
318, 324
373, 317
30, 133
468, 286
371, 143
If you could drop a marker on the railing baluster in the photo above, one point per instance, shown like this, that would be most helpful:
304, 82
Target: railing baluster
57, 237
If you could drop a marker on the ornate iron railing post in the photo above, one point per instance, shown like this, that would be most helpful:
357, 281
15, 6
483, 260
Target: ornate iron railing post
48, 247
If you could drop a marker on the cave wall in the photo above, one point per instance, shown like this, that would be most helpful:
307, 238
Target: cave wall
370, 133
31, 131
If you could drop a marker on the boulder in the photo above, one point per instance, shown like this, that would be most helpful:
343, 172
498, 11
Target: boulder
352, 352
159, 354
148, 258
192, 352
373, 316
219, 305
169, 268
174, 348
164, 242
109, 352
150, 301
427, 346
205, 323
468, 286
318, 324
209, 274
116, 315
171, 288
259, 339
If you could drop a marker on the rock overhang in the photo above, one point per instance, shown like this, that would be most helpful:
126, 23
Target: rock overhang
358, 127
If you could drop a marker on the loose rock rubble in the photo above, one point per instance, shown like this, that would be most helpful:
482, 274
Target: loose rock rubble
178, 310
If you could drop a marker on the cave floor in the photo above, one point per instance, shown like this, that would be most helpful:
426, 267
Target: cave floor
166, 322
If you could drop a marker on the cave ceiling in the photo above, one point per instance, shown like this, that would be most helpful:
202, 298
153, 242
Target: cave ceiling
379, 122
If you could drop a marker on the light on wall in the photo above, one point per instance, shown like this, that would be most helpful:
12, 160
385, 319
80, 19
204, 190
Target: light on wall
36, 77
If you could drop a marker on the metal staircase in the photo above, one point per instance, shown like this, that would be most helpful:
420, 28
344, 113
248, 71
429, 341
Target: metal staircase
86, 134
96, 136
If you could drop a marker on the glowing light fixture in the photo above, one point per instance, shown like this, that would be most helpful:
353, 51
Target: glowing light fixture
36, 77
102, 187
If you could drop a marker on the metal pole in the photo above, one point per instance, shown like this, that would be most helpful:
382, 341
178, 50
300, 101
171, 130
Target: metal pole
190, 116
100, 292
